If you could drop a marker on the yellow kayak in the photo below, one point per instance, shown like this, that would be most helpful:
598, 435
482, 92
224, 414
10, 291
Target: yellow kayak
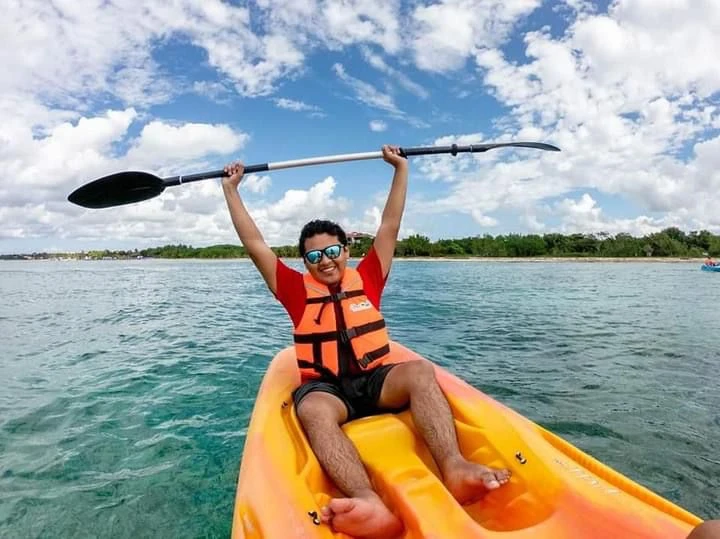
556, 491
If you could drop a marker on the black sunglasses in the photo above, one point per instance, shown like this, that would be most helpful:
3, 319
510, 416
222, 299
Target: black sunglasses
331, 251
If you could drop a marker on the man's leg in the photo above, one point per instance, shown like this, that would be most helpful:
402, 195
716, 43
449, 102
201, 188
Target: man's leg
415, 382
710, 529
362, 513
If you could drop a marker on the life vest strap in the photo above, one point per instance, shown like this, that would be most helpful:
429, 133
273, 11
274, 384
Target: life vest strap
344, 335
335, 297
373, 355
319, 368
351, 333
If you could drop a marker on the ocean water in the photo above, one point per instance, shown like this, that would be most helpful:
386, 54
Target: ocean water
127, 386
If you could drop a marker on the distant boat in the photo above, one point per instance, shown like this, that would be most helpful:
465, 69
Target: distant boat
705, 267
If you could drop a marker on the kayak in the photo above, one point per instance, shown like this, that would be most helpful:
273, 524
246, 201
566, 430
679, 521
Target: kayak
705, 267
556, 490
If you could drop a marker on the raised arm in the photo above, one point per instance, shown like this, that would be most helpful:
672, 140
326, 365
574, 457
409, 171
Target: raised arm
387, 233
260, 253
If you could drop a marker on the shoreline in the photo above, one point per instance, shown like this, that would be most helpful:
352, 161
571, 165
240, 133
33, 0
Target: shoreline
589, 259
495, 259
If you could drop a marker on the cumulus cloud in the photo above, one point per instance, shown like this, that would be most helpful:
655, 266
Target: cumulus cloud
184, 142
43, 167
256, 184
282, 220
74, 50
333, 23
446, 33
584, 215
629, 97
629, 94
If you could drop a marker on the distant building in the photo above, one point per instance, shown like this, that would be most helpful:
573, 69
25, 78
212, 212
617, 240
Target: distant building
354, 237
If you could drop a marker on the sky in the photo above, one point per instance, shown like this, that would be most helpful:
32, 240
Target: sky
628, 89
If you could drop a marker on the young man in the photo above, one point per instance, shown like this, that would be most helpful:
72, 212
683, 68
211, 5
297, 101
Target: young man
344, 361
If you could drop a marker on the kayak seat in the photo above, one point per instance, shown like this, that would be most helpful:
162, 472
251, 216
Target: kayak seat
406, 477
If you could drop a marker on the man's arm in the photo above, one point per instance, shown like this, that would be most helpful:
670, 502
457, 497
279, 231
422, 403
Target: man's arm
260, 253
387, 233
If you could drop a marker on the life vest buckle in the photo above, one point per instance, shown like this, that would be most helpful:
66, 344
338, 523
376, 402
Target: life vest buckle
339, 296
365, 361
347, 334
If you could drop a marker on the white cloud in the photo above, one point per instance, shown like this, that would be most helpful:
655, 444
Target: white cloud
215, 91
446, 167
72, 51
377, 125
482, 219
351, 21
396, 76
282, 220
446, 33
629, 95
584, 215
256, 184
205, 219
35, 166
183, 142
337, 23
369, 95
42, 167
299, 106
622, 94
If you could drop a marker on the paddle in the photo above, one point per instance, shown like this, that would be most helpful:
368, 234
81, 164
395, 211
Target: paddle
128, 187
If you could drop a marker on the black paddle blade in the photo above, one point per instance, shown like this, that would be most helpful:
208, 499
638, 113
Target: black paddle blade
536, 145
117, 189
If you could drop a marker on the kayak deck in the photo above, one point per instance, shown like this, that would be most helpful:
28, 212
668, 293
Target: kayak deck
555, 490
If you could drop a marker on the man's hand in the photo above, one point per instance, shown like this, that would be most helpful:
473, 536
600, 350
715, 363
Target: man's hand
391, 154
234, 173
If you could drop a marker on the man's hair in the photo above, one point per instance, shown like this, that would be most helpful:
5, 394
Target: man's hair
320, 226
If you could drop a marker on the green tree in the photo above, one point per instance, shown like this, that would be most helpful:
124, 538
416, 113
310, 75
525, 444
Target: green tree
415, 245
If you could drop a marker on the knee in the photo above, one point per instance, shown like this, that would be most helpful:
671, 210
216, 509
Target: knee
308, 411
709, 529
313, 412
420, 373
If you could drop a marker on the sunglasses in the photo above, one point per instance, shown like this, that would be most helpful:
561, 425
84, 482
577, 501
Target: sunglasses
331, 251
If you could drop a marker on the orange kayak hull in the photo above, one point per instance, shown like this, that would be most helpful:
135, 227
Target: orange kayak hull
556, 490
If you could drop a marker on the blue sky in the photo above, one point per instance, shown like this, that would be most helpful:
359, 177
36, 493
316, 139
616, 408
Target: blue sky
628, 89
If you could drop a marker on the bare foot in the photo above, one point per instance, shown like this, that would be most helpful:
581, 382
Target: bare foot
468, 482
366, 518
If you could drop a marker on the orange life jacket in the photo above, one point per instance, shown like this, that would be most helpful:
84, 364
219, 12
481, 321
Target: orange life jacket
317, 335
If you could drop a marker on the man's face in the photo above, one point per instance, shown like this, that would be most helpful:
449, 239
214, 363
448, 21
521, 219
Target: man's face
324, 269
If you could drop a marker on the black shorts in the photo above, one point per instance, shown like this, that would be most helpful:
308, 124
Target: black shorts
359, 393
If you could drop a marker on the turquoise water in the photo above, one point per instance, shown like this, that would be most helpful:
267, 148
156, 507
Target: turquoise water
127, 386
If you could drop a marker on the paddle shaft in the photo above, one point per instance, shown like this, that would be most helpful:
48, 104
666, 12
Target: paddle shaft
266, 167
135, 186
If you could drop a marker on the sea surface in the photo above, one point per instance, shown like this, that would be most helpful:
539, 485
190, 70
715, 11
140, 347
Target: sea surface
126, 387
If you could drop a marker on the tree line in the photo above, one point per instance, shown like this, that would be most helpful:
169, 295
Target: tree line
670, 242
